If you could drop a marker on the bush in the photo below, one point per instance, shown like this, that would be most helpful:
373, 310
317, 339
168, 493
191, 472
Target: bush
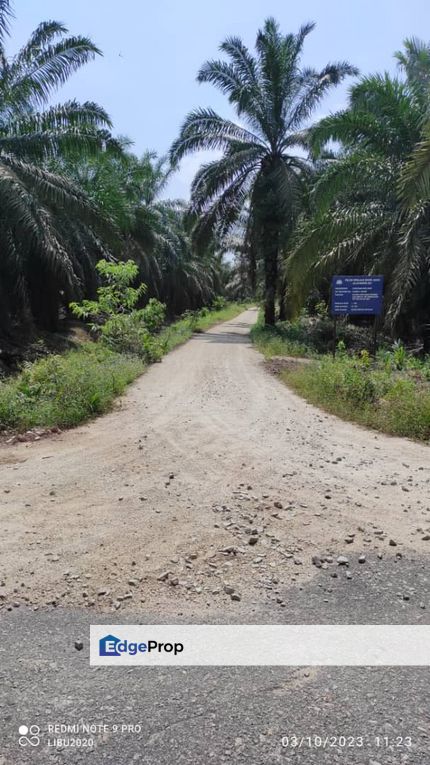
127, 333
372, 395
65, 390
218, 303
153, 315
119, 325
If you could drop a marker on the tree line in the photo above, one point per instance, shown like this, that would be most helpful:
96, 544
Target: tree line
293, 200
72, 194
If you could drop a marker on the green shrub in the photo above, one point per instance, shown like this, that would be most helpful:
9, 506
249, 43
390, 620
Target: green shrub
116, 296
153, 315
372, 395
218, 303
115, 319
65, 390
127, 333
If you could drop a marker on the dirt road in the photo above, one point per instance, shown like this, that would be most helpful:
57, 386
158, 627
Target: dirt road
209, 475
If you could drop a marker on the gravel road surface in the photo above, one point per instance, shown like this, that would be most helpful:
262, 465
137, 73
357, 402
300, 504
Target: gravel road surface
210, 475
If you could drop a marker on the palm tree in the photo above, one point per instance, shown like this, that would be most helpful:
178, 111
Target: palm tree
415, 178
43, 252
274, 98
415, 62
360, 222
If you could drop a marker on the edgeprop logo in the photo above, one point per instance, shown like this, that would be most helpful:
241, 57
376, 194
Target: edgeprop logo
110, 645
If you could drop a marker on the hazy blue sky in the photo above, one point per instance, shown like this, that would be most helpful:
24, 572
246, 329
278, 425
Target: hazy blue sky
152, 51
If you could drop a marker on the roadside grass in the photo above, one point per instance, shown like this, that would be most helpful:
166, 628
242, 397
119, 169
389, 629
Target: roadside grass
391, 401
64, 390
390, 394
278, 341
309, 336
68, 389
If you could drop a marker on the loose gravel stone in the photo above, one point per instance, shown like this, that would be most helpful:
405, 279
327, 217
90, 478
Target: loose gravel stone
342, 560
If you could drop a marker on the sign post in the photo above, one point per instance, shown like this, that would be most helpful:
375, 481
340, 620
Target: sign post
356, 296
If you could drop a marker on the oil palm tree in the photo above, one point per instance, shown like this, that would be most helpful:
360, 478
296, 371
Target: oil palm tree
415, 62
39, 209
274, 98
415, 178
360, 222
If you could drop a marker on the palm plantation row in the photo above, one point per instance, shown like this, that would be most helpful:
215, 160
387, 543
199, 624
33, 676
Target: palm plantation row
72, 194
294, 200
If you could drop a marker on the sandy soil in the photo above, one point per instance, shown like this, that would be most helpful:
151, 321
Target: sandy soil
154, 505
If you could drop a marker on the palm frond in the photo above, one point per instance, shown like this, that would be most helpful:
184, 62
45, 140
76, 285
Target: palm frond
205, 129
414, 183
39, 70
5, 16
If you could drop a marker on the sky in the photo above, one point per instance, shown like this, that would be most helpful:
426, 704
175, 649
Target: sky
146, 79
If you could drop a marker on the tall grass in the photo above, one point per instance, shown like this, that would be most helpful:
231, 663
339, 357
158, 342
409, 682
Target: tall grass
390, 394
277, 341
65, 390
394, 402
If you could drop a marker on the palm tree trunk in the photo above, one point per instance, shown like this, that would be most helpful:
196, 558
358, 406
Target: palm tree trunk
282, 308
282, 301
252, 267
271, 276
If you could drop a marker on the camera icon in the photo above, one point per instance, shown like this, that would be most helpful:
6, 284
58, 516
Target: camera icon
29, 736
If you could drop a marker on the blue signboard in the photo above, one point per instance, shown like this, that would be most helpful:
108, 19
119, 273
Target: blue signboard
357, 295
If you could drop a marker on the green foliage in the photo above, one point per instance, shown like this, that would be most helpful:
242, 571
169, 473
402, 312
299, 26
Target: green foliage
127, 333
121, 326
116, 297
372, 395
399, 355
66, 390
218, 303
153, 315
